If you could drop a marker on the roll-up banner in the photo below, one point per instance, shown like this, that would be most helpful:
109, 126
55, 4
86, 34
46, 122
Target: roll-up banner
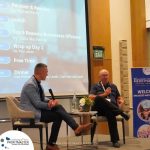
141, 101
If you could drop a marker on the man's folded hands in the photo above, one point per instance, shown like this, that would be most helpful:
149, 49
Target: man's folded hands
52, 103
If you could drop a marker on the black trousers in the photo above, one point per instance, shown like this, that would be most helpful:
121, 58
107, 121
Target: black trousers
110, 111
56, 115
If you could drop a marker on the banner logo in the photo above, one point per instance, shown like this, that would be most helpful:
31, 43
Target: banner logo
15, 140
146, 71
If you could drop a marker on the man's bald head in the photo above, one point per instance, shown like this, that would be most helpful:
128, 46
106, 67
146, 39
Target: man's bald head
103, 71
104, 76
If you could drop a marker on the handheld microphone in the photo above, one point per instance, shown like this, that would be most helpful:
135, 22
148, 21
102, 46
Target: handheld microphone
52, 95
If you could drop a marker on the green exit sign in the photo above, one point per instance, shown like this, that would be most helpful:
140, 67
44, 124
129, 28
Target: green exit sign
98, 52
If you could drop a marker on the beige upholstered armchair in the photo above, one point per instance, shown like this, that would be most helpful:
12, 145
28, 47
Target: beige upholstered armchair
16, 114
97, 119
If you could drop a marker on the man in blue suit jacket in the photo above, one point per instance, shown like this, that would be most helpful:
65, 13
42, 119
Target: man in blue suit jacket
33, 99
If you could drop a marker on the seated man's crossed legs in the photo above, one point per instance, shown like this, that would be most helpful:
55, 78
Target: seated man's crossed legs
56, 115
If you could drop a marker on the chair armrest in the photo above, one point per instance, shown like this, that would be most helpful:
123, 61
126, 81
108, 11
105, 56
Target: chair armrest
16, 112
23, 114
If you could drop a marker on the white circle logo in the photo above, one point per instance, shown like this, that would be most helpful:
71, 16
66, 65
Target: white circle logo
15, 140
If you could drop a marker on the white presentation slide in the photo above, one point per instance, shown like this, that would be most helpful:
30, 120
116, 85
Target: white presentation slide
47, 31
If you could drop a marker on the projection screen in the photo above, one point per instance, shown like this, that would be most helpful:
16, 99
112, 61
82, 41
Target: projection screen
47, 31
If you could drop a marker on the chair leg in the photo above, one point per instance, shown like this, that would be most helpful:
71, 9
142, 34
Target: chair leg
123, 131
93, 131
67, 134
19, 129
46, 134
14, 128
41, 137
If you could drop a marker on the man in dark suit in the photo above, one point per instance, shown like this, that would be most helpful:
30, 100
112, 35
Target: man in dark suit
107, 101
46, 110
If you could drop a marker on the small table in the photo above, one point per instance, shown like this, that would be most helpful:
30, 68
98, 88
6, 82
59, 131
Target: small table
81, 115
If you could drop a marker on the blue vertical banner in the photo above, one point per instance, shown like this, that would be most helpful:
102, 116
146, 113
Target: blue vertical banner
141, 101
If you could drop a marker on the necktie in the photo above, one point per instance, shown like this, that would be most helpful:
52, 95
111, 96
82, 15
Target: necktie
41, 91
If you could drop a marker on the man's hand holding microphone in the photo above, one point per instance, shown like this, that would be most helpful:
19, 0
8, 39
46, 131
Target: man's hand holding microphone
52, 102
107, 91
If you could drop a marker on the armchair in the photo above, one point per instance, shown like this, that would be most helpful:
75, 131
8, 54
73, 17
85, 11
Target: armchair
16, 114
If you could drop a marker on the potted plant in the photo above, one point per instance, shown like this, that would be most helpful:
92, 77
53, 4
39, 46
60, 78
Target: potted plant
85, 104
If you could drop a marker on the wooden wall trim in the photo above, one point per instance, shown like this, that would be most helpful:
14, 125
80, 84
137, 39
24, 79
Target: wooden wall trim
100, 34
139, 34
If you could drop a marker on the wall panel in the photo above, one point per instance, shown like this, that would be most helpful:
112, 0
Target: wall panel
139, 34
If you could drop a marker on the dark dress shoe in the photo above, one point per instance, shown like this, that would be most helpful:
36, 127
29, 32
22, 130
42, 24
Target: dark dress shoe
116, 145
